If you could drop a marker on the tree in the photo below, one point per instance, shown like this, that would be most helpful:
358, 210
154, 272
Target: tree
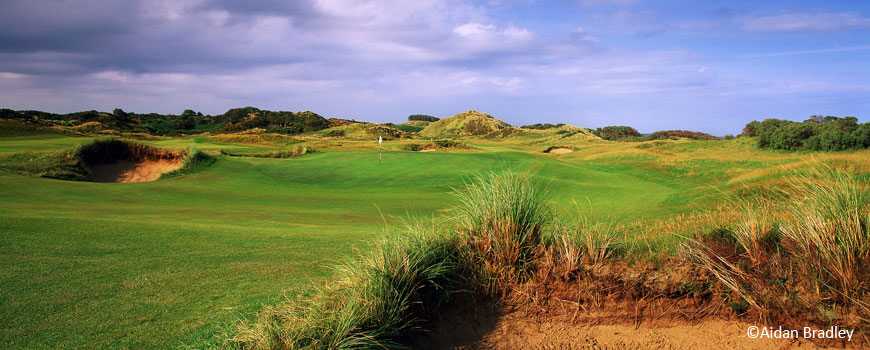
119, 113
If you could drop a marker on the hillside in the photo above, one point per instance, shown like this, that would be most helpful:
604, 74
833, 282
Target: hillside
364, 131
469, 123
563, 135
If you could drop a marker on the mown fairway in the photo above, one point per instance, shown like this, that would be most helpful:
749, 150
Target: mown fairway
178, 261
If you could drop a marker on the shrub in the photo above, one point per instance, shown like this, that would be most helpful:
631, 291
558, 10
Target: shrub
423, 118
543, 126
617, 132
673, 134
815, 134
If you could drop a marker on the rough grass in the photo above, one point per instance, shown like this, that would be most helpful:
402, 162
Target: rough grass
168, 263
501, 218
298, 151
811, 243
507, 241
469, 123
375, 302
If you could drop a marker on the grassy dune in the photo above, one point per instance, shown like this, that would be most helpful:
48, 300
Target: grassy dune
178, 261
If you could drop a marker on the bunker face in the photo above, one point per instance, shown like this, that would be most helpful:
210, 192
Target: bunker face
125, 171
560, 150
127, 161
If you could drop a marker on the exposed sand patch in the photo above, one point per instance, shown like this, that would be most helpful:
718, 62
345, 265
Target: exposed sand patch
428, 150
517, 330
559, 150
125, 171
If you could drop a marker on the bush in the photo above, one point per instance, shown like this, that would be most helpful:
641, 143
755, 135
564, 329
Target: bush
423, 118
544, 126
617, 133
674, 134
815, 134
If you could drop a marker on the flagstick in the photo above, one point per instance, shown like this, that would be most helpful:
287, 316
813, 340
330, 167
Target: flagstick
380, 150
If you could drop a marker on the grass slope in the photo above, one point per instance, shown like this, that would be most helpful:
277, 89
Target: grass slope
468, 123
177, 261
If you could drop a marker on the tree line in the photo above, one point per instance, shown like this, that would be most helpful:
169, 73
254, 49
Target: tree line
818, 133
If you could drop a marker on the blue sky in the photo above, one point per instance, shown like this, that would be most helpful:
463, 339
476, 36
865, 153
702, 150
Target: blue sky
700, 65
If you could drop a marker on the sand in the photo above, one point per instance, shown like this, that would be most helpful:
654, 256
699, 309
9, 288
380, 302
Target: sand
560, 150
519, 331
125, 171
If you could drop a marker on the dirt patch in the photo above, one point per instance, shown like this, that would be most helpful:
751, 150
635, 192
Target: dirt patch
559, 150
664, 305
125, 171
489, 328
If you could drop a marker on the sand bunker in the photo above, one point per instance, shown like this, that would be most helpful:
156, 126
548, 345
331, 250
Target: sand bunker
125, 171
518, 331
559, 150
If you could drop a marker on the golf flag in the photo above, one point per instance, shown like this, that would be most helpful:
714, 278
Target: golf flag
380, 140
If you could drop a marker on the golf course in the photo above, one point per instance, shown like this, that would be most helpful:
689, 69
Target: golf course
183, 261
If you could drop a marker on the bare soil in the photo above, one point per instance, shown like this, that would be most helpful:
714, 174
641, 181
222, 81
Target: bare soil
125, 171
520, 329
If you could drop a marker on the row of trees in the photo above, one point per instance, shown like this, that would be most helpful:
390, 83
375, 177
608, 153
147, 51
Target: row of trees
543, 126
189, 121
818, 133
422, 118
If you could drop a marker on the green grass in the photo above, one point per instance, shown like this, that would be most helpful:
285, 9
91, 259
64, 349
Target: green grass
176, 262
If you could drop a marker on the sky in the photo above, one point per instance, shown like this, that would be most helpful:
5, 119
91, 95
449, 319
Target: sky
708, 66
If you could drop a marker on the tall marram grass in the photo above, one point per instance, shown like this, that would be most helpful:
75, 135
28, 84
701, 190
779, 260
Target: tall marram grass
375, 302
831, 230
817, 233
379, 299
583, 242
501, 218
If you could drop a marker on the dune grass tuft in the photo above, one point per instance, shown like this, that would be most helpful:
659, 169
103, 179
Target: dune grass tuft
501, 218
376, 301
813, 243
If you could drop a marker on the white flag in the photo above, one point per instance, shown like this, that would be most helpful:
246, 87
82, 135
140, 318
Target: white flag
380, 140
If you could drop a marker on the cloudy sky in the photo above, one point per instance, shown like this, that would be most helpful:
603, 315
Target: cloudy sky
701, 65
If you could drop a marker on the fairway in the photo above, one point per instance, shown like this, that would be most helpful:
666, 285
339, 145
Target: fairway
177, 261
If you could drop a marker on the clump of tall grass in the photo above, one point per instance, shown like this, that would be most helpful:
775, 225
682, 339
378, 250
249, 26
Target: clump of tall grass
816, 234
193, 160
830, 229
584, 242
376, 301
501, 217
